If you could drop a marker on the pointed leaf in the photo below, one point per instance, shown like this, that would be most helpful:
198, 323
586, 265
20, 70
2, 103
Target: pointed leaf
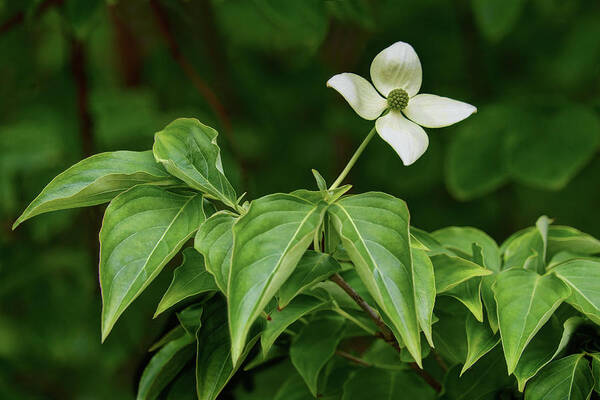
583, 277
596, 371
480, 340
462, 238
141, 231
565, 238
214, 241
313, 267
569, 378
189, 279
544, 347
96, 180
469, 293
269, 240
525, 302
489, 301
188, 150
190, 318
173, 334
451, 271
283, 318
374, 228
424, 286
314, 346
164, 367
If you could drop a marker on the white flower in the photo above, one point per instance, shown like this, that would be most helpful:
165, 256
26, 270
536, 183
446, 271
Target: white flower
396, 73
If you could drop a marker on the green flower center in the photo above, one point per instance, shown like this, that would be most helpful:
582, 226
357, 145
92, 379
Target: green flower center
397, 99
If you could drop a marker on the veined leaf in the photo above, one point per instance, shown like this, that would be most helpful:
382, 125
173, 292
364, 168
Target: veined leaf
469, 293
269, 240
190, 318
544, 347
569, 378
596, 371
188, 150
314, 346
214, 241
283, 318
96, 180
451, 271
313, 267
424, 286
142, 230
480, 340
214, 367
374, 228
525, 302
189, 279
375, 383
583, 277
462, 239
565, 238
433, 247
526, 250
164, 367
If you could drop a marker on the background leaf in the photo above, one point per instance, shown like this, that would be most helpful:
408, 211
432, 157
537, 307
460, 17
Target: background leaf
568, 378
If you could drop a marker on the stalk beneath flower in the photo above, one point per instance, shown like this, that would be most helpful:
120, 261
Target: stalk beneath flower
352, 161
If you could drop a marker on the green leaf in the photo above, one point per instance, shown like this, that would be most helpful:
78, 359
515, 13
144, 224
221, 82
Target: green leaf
596, 371
481, 382
544, 347
214, 241
142, 230
452, 271
96, 180
583, 277
374, 228
164, 367
283, 318
424, 287
214, 366
269, 240
433, 247
525, 251
496, 18
190, 318
375, 383
480, 341
565, 238
462, 239
449, 332
571, 138
189, 279
321, 184
293, 388
173, 334
469, 293
314, 346
487, 295
313, 267
569, 378
526, 301
188, 150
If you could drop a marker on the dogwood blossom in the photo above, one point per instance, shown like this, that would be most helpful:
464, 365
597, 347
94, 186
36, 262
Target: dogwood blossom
396, 74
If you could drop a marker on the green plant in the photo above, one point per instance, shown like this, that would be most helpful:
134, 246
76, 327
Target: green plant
347, 299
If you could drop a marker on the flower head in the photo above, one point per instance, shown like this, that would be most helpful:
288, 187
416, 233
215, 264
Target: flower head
396, 74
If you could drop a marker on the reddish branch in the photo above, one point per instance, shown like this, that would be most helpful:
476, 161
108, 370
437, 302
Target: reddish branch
384, 331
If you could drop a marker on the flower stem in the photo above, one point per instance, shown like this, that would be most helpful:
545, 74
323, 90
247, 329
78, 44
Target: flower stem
352, 161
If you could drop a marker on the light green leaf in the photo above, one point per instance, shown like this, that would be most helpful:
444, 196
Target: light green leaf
321, 184
565, 238
433, 247
525, 251
569, 378
214, 241
189, 279
269, 240
496, 18
462, 239
480, 340
424, 282
188, 150
96, 180
469, 293
374, 228
583, 277
544, 347
313, 267
164, 367
596, 371
283, 318
452, 271
487, 295
525, 302
142, 230
214, 367
375, 383
314, 346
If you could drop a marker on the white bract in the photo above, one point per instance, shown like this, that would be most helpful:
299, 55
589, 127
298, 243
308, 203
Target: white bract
396, 73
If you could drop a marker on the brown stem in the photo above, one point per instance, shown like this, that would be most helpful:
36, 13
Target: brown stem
385, 333
350, 357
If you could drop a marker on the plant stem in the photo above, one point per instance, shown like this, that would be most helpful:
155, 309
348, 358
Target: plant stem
385, 333
350, 357
352, 161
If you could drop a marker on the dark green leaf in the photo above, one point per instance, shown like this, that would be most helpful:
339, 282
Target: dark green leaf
569, 378
480, 340
374, 383
190, 318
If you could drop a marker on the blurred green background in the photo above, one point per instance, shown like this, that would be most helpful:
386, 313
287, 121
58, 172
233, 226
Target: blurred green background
80, 77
